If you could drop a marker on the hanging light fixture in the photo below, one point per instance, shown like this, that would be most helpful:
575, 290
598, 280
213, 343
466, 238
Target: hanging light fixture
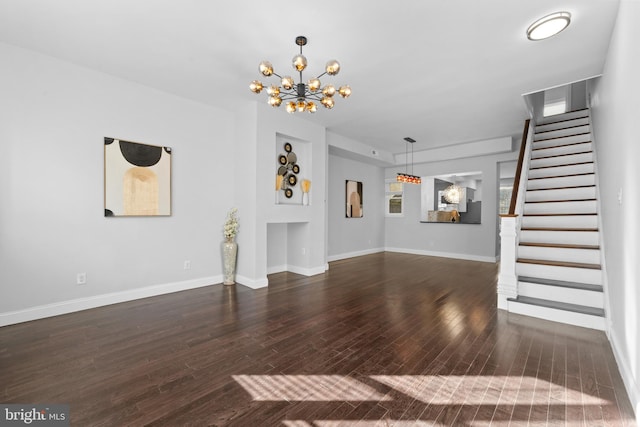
300, 96
406, 177
452, 193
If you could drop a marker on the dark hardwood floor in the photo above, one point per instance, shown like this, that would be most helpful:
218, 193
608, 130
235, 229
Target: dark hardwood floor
384, 339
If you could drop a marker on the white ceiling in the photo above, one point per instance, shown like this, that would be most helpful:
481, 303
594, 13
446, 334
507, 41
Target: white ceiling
442, 72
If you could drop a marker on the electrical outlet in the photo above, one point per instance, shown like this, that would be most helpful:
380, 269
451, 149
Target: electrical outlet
187, 265
304, 251
81, 278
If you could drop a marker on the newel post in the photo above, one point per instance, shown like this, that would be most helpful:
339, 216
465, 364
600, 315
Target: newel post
507, 279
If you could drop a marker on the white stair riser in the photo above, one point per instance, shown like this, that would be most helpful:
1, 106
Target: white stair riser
588, 206
561, 160
568, 317
589, 256
567, 274
577, 140
562, 124
564, 116
560, 237
561, 294
561, 194
565, 221
561, 170
559, 149
560, 182
561, 132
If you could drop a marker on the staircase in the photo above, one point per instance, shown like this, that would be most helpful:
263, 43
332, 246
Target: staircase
558, 256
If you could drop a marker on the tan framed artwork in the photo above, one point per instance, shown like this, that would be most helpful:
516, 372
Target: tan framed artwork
137, 179
353, 192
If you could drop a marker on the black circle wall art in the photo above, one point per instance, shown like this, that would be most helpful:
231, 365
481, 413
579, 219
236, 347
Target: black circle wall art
288, 169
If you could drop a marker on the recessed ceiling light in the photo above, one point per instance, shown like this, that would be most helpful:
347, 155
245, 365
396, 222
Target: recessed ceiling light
548, 26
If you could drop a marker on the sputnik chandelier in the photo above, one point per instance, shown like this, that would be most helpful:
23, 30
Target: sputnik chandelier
300, 96
406, 177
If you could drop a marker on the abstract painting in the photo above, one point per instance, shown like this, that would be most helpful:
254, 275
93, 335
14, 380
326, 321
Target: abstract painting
354, 199
137, 179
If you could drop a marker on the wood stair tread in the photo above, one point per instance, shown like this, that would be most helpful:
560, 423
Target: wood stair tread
561, 283
562, 214
564, 128
561, 121
560, 166
556, 146
572, 187
562, 155
563, 176
563, 136
559, 245
559, 263
561, 200
593, 311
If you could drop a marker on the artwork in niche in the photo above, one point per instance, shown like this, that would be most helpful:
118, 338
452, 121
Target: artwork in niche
354, 199
453, 198
288, 168
137, 179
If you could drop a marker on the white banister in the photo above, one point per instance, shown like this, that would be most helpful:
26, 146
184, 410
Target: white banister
507, 279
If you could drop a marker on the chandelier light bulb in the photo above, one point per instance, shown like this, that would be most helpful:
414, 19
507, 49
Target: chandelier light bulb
273, 90
300, 96
256, 86
344, 91
287, 82
311, 107
333, 67
329, 90
275, 101
314, 84
266, 68
299, 62
327, 102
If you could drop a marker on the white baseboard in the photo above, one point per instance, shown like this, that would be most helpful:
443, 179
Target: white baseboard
630, 383
298, 270
276, 269
252, 283
467, 257
306, 271
70, 306
353, 254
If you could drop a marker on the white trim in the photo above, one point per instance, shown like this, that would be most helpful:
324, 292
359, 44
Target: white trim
79, 304
252, 283
277, 269
346, 255
633, 389
467, 257
306, 271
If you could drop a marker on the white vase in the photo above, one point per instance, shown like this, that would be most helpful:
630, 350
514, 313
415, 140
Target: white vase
229, 254
305, 199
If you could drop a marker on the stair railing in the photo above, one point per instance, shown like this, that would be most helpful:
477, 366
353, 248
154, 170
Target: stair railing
510, 224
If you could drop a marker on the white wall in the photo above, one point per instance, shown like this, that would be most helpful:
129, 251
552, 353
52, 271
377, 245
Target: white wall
52, 224
355, 236
465, 241
259, 128
615, 111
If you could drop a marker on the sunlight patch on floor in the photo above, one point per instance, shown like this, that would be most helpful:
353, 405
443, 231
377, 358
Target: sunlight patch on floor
431, 389
356, 423
321, 388
474, 388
